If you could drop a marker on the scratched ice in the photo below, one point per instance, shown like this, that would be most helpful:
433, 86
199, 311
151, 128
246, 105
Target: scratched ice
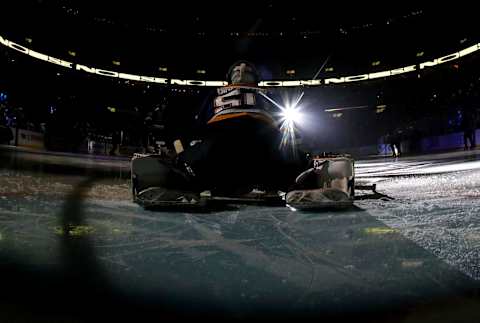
243, 256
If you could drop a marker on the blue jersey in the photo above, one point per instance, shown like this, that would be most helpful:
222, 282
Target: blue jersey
237, 101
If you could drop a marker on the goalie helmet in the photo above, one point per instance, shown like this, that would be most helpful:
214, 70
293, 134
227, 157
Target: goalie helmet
243, 72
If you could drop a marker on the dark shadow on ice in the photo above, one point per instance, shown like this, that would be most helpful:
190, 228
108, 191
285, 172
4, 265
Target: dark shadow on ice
330, 209
88, 287
252, 264
78, 256
374, 196
48, 292
215, 204
193, 209
61, 165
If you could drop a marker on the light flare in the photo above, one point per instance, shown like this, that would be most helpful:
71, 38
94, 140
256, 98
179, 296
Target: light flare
291, 115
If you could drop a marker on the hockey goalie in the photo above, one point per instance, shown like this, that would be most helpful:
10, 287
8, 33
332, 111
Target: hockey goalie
241, 155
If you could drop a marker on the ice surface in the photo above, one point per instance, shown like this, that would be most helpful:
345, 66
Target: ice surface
440, 212
381, 252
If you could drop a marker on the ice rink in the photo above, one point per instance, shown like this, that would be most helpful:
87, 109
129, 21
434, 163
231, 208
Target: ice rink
72, 243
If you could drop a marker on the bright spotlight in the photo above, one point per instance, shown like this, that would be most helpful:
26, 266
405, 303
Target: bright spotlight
290, 117
291, 114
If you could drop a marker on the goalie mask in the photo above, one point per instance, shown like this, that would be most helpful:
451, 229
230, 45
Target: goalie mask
242, 72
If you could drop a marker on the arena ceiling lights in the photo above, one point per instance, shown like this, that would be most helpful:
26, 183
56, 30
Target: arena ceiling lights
272, 83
